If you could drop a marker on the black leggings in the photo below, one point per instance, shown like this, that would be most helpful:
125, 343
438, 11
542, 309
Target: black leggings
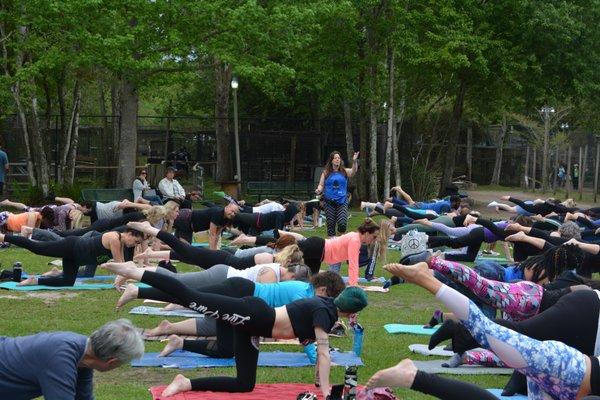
542, 208
249, 316
105, 224
448, 389
223, 346
61, 248
203, 258
492, 227
313, 249
414, 215
472, 241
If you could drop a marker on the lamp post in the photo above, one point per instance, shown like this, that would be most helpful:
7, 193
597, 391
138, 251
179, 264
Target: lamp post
238, 168
597, 137
545, 112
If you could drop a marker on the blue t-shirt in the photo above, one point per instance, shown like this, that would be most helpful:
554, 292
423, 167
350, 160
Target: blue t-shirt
336, 188
282, 293
3, 162
44, 365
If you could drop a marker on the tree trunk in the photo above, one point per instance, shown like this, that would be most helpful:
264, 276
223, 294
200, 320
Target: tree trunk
397, 133
525, 183
363, 190
469, 156
348, 130
568, 181
372, 135
389, 142
556, 165
499, 150
545, 154
16, 91
534, 168
105, 141
582, 171
115, 100
596, 171
128, 138
222, 86
71, 158
454, 131
37, 146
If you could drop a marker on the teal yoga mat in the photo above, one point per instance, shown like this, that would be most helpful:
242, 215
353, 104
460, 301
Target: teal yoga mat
498, 392
410, 329
145, 310
500, 260
77, 286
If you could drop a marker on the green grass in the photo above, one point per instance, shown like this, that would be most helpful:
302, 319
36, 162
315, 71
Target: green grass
84, 311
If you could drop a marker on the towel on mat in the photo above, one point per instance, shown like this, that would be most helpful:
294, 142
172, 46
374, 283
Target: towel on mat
145, 310
261, 391
185, 360
435, 367
412, 329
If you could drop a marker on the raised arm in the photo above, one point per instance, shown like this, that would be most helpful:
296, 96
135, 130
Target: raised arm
351, 171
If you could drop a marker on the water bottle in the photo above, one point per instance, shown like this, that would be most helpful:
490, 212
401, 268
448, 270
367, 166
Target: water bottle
358, 338
311, 351
17, 272
350, 382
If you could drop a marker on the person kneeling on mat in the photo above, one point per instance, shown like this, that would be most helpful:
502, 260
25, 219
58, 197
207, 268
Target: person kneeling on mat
60, 365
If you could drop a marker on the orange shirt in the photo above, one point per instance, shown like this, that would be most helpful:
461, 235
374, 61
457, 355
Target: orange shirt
16, 221
342, 248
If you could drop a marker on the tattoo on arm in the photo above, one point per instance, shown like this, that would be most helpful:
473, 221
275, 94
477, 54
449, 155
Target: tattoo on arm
323, 342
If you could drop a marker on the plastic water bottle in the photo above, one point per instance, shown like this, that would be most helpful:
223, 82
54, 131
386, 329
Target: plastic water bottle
311, 351
358, 338
17, 272
350, 382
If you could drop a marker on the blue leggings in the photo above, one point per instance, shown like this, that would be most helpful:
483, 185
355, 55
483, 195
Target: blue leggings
552, 368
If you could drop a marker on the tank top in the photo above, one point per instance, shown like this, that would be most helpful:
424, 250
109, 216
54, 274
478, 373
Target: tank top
252, 272
282, 293
336, 188
89, 250
306, 314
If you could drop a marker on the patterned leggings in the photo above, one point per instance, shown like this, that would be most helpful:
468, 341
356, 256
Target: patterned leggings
553, 369
336, 214
519, 300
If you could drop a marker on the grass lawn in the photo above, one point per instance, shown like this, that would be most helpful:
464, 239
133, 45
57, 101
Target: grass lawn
84, 311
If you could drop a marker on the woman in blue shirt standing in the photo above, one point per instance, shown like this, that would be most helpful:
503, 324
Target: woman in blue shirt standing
333, 185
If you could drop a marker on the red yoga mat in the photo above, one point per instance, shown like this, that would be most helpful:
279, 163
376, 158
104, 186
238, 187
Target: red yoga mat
279, 391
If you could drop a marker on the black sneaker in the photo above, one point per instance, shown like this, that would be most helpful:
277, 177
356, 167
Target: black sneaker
338, 330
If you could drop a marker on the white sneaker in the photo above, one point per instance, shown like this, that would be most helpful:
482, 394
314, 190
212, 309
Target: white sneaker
493, 204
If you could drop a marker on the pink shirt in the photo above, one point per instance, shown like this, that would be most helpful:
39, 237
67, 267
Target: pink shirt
342, 248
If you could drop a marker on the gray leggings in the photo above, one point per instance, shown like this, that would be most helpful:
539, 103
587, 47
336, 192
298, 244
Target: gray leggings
44, 235
252, 251
213, 275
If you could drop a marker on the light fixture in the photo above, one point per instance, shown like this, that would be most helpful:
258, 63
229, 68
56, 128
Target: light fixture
234, 83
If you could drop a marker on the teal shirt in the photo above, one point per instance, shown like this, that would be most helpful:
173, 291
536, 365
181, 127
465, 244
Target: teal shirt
282, 293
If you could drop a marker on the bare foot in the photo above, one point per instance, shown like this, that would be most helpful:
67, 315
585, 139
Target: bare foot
144, 227
409, 273
240, 240
2, 237
162, 329
423, 221
119, 283
401, 375
469, 219
143, 256
387, 205
31, 281
4, 202
130, 293
516, 237
179, 384
124, 269
26, 231
172, 306
362, 205
174, 343
53, 272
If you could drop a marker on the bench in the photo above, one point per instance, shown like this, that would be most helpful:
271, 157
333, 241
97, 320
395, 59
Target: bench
280, 189
105, 195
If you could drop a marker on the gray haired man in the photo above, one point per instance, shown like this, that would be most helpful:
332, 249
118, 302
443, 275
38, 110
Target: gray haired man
59, 365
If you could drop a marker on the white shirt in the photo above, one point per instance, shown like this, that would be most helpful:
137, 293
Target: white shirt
171, 189
268, 207
252, 272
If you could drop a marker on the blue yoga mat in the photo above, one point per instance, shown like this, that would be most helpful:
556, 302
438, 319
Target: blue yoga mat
201, 244
363, 280
500, 260
411, 329
145, 310
186, 360
497, 393
77, 286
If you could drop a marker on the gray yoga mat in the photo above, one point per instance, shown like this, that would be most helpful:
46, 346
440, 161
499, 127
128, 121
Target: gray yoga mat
435, 367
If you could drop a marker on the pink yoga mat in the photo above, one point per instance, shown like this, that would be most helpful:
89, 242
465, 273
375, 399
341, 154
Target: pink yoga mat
279, 391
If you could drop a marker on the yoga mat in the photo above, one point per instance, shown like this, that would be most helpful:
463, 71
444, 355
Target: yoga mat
186, 360
279, 341
377, 289
202, 244
500, 260
145, 310
424, 350
363, 280
498, 394
435, 367
78, 286
159, 338
279, 391
413, 329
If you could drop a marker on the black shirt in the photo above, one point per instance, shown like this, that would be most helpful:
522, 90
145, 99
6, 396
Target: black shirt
201, 219
307, 314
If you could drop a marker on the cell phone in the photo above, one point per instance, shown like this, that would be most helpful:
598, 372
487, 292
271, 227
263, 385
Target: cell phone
336, 392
